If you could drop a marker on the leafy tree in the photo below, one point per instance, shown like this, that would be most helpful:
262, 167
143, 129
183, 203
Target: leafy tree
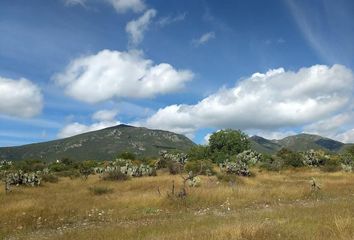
198, 152
226, 143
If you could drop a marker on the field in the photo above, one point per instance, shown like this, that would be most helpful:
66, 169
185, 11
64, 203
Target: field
266, 206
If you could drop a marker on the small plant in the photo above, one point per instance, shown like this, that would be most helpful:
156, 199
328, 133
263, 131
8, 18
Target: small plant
51, 178
115, 175
97, 190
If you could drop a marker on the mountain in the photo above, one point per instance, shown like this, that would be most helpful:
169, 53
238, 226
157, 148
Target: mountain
263, 145
300, 142
103, 144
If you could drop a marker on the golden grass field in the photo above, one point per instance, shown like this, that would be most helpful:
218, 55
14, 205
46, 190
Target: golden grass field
267, 206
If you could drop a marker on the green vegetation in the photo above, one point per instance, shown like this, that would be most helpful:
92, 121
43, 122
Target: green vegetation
223, 188
225, 143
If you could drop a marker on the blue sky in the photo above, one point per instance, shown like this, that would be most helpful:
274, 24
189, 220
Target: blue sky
272, 68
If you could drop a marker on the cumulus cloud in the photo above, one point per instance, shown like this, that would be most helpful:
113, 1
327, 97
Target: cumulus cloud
109, 74
103, 118
105, 115
164, 21
137, 28
266, 101
339, 127
20, 98
206, 37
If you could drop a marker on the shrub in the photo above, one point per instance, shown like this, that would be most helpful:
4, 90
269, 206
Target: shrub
347, 161
30, 165
51, 178
115, 175
127, 155
204, 167
174, 167
290, 158
97, 190
332, 164
271, 163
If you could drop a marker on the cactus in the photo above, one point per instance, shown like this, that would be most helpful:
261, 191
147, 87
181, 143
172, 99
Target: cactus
21, 178
240, 163
313, 158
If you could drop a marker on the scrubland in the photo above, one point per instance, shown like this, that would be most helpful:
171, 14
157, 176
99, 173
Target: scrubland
269, 205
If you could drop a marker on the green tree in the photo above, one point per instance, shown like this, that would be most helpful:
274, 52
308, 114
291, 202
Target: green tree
199, 152
226, 143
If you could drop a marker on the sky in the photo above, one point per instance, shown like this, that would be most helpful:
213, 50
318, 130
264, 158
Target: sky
270, 68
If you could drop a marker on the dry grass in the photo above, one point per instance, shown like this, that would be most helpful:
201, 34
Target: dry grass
268, 206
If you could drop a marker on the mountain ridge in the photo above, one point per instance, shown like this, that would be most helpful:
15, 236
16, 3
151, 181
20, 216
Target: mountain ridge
298, 142
104, 144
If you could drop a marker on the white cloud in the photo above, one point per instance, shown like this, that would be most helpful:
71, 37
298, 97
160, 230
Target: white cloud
206, 138
268, 134
272, 100
164, 21
206, 37
20, 98
109, 74
346, 137
339, 127
137, 28
103, 118
105, 115
122, 6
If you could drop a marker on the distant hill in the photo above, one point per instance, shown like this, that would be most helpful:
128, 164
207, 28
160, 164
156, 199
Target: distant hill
300, 142
103, 144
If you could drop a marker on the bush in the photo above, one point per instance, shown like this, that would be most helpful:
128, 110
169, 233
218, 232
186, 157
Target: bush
51, 178
332, 164
204, 167
174, 167
271, 163
115, 175
127, 155
30, 165
290, 158
97, 190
